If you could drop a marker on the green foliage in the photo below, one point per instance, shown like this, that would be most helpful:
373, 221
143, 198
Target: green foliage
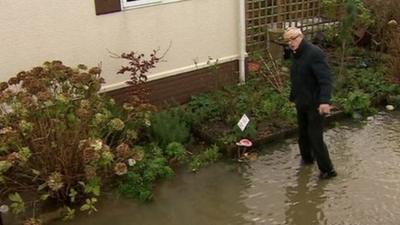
330, 8
357, 102
331, 37
17, 204
249, 132
350, 11
352, 15
348, 21
69, 214
254, 98
365, 84
394, 100
202, 108
168, 126
206, 157
122, 123
386, 17
92, 187
139, 181
371, 80
276, 105
89, 205
235, 134
175, 151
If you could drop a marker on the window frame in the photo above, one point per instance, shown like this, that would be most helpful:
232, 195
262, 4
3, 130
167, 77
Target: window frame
110, 6
126, 4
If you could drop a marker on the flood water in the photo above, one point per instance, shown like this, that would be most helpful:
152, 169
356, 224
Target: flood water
276, 189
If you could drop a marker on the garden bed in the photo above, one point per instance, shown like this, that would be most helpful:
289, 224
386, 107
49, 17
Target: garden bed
267, 131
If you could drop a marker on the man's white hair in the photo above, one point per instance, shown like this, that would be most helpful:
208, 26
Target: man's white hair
292, 32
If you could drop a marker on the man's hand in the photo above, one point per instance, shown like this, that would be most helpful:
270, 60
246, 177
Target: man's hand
324, 109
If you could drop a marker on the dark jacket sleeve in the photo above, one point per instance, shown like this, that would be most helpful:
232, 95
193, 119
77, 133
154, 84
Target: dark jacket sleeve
291, 95
323, 75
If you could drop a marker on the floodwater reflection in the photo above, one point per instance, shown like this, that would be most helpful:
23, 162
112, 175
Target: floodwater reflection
305, 200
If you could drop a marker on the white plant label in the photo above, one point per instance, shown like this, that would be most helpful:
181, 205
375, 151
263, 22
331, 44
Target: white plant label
243, 122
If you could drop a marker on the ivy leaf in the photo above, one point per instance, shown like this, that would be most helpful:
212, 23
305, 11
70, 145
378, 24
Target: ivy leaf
89, 205
44, 197
15, 197
85, 207
72, 194
42, 186
18, 205
70, 214
93, 187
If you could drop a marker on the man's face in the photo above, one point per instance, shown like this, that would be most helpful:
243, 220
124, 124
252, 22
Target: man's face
293, 40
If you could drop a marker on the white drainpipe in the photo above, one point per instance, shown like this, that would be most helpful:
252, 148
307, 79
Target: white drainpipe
242, 40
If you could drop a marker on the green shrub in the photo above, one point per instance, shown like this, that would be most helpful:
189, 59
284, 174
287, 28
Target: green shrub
50, 137
394, 100
357, 102
175, 151
130, 122
60, 139
254, 98
139, 181
168, 126
204, 158
371, 81
202, 108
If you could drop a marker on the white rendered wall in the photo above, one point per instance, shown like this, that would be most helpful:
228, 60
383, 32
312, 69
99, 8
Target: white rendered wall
35, 31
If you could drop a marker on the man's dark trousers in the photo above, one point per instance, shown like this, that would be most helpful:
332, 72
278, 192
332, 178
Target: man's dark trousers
311, 141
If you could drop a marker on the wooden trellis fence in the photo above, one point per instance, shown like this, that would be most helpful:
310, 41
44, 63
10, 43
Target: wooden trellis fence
266, 19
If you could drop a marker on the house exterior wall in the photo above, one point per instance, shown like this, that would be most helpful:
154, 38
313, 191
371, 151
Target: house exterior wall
179, 88
193, 30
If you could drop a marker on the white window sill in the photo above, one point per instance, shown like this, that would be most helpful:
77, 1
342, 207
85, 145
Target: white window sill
162, 2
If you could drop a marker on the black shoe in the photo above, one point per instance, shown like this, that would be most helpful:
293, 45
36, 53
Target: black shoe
327, 175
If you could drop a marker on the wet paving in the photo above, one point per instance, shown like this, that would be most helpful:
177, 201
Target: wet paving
276, 189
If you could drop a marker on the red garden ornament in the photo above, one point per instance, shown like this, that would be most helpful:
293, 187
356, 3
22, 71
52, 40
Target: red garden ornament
243, 144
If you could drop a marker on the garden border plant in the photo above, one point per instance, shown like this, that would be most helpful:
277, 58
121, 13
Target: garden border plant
50, 143
64, 141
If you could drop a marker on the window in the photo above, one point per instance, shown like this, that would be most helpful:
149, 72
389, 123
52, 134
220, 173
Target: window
129, 3
110, 6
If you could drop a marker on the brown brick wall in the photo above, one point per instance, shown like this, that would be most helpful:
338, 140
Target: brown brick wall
180, 87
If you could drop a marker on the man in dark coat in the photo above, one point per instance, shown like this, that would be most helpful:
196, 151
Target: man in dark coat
311, 87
